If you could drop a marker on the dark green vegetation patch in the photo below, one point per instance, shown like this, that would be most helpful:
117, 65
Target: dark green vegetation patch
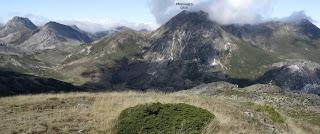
160, 118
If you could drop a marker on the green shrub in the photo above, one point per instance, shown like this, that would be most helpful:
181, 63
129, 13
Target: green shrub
160, 118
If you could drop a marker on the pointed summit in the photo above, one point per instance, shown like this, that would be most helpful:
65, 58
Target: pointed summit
189, 17
54, 35
21, 21
17, 30
187, 36
65, 32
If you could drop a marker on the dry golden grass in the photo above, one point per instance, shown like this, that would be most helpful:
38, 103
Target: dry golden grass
98, 113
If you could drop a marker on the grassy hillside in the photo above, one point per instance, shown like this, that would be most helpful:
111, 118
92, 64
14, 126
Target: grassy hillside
98, 113
250, 62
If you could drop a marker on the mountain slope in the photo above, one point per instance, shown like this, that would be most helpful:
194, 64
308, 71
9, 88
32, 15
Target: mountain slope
287, 40
17, 30
95, 63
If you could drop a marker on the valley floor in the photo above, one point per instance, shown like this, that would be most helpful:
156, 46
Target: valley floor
98, 113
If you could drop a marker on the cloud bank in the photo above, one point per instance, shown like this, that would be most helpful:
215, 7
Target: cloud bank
96, 25
91, 25
221, 11
296, 16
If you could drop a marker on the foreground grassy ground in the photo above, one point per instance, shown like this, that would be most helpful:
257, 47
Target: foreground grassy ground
98, 113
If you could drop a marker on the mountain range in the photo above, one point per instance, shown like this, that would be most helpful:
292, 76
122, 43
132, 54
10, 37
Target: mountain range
188, 50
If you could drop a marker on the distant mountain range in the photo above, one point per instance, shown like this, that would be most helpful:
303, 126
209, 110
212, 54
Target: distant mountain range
188, 50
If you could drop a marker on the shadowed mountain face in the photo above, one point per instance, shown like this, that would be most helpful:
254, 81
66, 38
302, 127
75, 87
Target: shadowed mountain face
12, 83
311, 30
187, 51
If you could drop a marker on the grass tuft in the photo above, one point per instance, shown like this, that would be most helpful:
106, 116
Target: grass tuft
274, 115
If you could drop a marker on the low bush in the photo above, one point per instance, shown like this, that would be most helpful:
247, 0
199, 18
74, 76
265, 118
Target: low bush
160, 118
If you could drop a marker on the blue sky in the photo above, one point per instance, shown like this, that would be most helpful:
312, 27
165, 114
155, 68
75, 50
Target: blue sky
131, 10
135, 11
282, 8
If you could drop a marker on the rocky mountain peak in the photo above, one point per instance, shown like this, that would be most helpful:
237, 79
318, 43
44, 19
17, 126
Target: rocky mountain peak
193, 14
189, 18
17, 30
55, 25
188, 36
55, 36
21, 21
65, 31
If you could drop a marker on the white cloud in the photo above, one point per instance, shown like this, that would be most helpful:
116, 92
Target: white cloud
162, 10
296, 16
221, 11
95, 25
37, 20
